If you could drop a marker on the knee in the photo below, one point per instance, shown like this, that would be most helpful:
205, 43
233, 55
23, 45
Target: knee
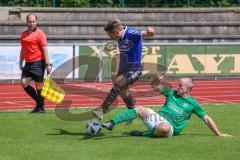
24, 83
39, 86
139, 110
123, 93
142, 112
162, 130
120, 80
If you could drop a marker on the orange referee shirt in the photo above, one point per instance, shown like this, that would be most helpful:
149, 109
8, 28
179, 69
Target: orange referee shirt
32, 45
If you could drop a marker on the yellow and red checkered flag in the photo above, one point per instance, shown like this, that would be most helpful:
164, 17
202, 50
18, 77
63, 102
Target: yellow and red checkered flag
52, 91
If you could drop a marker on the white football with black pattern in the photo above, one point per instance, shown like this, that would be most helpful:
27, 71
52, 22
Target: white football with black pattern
93, 127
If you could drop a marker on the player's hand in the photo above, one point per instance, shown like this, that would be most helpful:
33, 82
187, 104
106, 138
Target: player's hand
156, 81
160, 77
150, 31
225, 135
49, 69
135, 133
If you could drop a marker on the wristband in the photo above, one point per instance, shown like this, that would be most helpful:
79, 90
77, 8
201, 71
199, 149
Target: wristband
48, 64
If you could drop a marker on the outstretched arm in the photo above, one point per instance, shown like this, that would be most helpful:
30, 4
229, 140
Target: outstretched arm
210, 123
157, 83
150, 32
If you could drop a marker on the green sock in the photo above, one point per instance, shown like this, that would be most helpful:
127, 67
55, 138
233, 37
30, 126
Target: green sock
126, 115
149, 133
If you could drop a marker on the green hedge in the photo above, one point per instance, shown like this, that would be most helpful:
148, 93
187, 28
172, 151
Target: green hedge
26, 3
121, 3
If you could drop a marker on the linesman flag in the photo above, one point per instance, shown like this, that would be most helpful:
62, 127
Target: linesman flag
52, 91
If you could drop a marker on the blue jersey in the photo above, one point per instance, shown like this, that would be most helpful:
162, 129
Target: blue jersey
130, 47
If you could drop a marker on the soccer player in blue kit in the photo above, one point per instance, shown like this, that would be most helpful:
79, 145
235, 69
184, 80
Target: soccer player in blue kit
130, 69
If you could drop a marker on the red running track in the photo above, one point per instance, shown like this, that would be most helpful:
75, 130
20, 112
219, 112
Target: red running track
84, 94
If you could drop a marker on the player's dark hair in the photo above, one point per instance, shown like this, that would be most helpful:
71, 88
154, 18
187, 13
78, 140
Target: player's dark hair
30, 15
112, 25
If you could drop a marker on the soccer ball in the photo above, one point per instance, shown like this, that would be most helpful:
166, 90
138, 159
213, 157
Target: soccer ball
93, 128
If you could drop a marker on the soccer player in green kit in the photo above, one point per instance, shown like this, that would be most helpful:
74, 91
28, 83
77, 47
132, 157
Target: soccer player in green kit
173, 116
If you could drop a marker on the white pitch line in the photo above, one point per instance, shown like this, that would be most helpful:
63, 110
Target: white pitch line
74, 107
138, 88
132, 89
236, 95
18, 101
214, 100
15, 104
8, 102
81, 105
12, 93
23, 97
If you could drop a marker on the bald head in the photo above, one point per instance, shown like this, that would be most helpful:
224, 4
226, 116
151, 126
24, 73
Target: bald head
31, 16
184, 86
31, 22
187, 82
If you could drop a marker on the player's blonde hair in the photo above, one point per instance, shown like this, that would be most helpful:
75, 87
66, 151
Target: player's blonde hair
113, 25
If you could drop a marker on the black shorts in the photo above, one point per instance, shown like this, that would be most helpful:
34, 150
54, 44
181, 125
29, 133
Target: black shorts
130, 76
35, 70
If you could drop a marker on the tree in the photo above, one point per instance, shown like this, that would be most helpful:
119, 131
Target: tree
74, 3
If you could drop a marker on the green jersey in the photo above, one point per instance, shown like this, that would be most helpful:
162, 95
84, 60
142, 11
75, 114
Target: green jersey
178, 110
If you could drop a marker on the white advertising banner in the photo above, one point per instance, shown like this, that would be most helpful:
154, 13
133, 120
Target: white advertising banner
9, 60
59, 55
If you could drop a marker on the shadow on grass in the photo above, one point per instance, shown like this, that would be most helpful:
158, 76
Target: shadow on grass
65, 132
195, 134
103, 136
85, 136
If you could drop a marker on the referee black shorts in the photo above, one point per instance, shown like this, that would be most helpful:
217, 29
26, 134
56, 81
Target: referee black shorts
35, 70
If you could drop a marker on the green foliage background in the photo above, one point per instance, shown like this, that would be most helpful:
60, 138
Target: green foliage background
121, 3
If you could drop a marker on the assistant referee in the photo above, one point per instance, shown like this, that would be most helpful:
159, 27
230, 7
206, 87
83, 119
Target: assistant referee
34, 53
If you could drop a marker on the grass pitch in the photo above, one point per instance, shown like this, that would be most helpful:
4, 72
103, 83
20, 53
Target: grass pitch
25, 136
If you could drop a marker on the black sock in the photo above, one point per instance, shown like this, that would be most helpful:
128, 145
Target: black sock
129, 101
31, 92
40, 99
112, 95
